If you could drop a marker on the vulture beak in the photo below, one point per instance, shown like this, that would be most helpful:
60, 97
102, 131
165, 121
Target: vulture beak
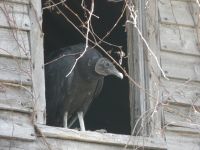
116, 73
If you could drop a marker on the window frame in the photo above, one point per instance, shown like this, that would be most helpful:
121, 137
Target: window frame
137, 64
138, 70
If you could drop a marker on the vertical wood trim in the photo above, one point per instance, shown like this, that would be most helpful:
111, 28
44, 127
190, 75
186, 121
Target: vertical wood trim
36, 43
153, 38
137, 70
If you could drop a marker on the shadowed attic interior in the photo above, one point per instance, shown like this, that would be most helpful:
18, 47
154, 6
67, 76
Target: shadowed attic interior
110, 111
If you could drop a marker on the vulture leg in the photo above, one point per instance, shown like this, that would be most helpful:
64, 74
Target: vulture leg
65, 120
81, 121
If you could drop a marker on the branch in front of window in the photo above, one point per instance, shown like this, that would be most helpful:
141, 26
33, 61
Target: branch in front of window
134, 17
104, 51
87, 34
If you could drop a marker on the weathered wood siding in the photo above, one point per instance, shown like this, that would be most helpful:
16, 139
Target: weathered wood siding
16, 101
178, 99
22, 101
20, 41
172, 33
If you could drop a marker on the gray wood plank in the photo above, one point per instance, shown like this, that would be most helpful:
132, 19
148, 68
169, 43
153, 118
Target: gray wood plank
137, 68
153, 40
181, 66
106, 138
15, 71
14, 16
181, 116
178, 12
182, 141
58, 144
75, 145
16, 125
180, 92
183, 130
36, 42
179, 39
16, 97
13, 144
19, 1
14, 43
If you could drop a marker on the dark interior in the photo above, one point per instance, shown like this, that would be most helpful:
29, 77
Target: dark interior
110, 111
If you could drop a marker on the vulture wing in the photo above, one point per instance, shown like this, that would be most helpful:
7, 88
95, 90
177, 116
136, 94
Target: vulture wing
58, 85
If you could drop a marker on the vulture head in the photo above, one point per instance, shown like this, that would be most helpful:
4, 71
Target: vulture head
93, 66
105, 67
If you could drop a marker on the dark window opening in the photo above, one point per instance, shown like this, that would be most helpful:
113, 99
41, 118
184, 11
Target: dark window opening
110, 111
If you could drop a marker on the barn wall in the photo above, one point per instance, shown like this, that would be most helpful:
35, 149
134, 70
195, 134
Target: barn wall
174, 40
22, 101
174, 37
21, 69
16, 101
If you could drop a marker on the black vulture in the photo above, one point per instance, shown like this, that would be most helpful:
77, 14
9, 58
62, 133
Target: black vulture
68, 96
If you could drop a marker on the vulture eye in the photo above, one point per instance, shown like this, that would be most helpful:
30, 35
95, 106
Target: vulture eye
107, 64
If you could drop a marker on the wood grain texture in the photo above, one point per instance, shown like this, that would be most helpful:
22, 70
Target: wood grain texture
106, 138
16, 125
13, 144
19, 1
16, 97
15, 71
183, 130
181, 92
180, 61
14, 43
179, 39
14, 16
178, 12
58, 144
75, 145
36, 42
182, 116
181, 66
153, 40
137, 61
182, 141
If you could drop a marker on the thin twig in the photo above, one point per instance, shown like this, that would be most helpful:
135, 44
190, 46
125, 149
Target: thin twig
87, 34
55, 4
43, 137
133, 15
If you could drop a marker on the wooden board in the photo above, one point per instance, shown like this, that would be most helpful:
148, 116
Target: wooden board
36, 43
179, 39
183, 130
171, 12
180, 92
181, 66
19, 1
101, 138
57, 144
16, 97
181, 116
182, 141
15, 71
14, 16
153, 40
137, 71
75, 145
14, 43
16, 125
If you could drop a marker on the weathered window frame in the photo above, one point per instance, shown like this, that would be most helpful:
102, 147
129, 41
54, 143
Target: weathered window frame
138, 72
138, 69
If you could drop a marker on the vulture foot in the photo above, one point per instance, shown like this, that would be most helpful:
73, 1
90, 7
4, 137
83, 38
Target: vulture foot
65, 120
81, 121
